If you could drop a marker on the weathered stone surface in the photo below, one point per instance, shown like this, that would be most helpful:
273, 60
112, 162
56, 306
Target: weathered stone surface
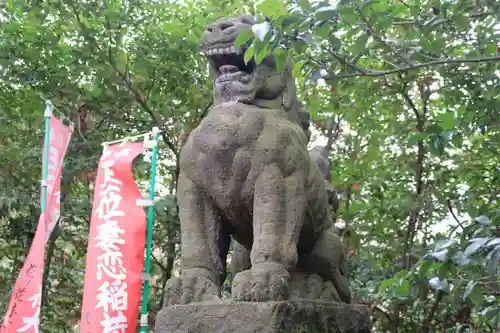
246, 174
299, 316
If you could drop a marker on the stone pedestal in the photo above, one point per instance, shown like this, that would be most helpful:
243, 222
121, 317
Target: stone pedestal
296, 316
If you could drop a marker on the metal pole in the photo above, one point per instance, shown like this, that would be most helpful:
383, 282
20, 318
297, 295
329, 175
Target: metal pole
45, 171
149, 234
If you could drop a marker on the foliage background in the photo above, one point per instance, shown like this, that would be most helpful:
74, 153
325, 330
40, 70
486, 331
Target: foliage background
405, 93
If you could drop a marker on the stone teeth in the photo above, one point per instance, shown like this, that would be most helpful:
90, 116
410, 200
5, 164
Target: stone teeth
227, 50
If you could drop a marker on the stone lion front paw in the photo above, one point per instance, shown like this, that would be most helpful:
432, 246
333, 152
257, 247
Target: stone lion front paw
263, 282
195, 285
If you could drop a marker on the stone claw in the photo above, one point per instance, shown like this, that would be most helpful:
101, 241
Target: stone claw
195, 285
263, 282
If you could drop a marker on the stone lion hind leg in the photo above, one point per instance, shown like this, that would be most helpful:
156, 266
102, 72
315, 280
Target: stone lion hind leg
328, 260
204, 247
279, 204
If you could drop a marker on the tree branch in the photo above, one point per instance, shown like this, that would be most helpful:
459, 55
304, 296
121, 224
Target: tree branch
427, 322
205, 111
450, 209
158, 262
333, 133
417, 66
419, 184
440, 21
344, 61
412, 105
381, 40
127, 83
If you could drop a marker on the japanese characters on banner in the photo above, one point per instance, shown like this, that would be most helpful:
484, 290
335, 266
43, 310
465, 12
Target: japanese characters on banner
24, 305
115, 254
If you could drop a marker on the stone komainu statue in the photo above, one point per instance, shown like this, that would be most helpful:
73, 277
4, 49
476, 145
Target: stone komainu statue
246, 173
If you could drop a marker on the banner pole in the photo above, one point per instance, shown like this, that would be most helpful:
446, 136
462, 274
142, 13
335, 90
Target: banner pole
149, 234
45, 172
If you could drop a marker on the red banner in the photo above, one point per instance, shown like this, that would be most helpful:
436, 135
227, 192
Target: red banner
115, 254
24, 306
60, 136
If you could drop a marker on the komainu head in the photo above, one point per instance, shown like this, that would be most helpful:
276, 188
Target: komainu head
259, 85
234, 80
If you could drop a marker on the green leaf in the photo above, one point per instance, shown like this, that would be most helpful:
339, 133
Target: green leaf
470, 286
415, 11
297, 67
492, 260
242, 38
476, 297
446, 120
323, 31
271, 8
416, 137
360, 44
300, 47
326, 13
444, 243
439, 284
385, 284
446, 269
290, 20
383, 23
280, 56
380, 6
460, 259
436, 144
403, 287
249, 53
348, 15
491, 49
423, 270
305, 5
487, 312
457, 140
433, 129
261, 54
462, 21
475, 245
437, 45
494, 242
483, 219
440, 255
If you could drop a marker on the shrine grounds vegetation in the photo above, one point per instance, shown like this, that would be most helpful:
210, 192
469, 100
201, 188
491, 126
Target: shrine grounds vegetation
405, 93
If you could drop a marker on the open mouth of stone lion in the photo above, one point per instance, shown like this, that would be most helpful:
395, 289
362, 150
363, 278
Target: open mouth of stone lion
228, 64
